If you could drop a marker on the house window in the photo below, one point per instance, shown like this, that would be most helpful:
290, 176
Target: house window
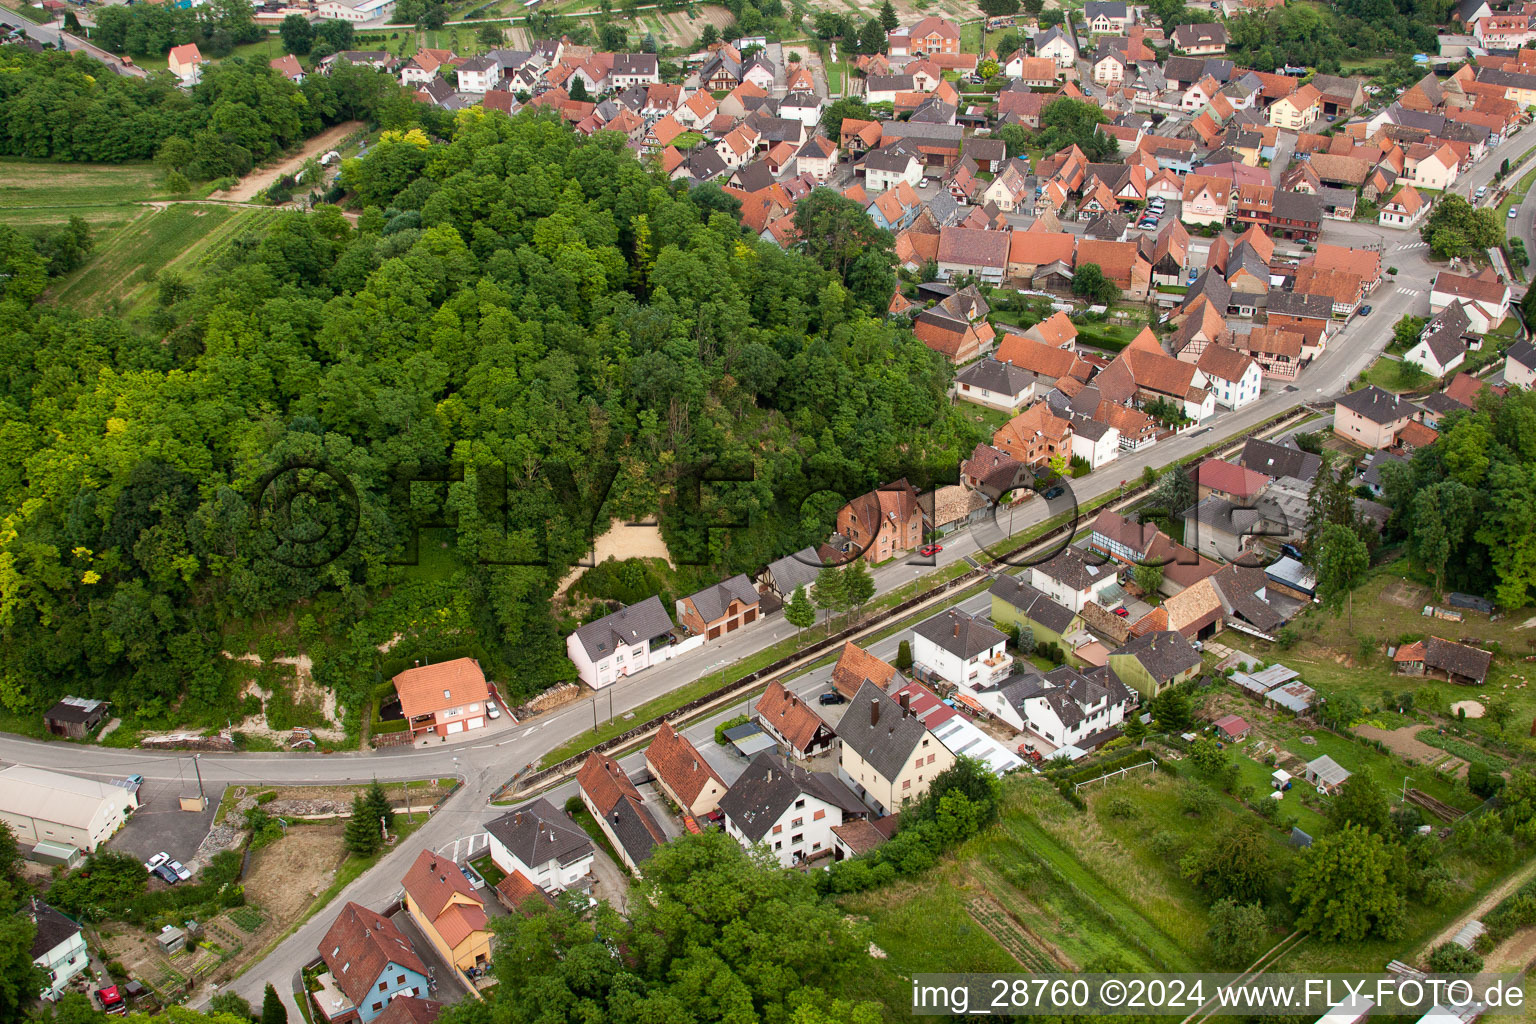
818, 815
377, 1005
383, 985
400, 980
797, 823
779, 845
906, 784
799, 803
797, 839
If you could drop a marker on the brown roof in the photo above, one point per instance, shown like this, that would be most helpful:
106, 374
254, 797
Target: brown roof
1041, 247
1416, 435
1364, 262
448, 684
856, 665
1483, 287
1039, 358
433, 882
1273, 341
1056, 329
862, 835
1460, 659
1037, 419
410, 1010
969, 247
790, 716
1115, 259
516, 892
602, 779
1222, 362
359, 945
677, 763
1339, 285
1465, 388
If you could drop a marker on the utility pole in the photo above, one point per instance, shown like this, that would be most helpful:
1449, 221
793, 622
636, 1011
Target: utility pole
594, 714
1406, 780
199, 771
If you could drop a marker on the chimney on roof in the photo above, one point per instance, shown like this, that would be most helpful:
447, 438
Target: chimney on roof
874, 711
906, 702
956, 619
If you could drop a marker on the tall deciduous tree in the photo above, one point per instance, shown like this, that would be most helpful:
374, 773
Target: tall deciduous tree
1340, 559
1348, 886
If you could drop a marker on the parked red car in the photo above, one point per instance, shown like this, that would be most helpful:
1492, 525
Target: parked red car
1121, 611
929, 550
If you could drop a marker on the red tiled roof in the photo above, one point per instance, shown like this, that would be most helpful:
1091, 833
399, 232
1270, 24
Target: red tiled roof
448, 684
676, 762
433, 882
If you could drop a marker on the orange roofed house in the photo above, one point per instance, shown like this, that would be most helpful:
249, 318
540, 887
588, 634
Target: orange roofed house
444, 906
856, 666
446, 698
792, 723
883, 524
1035, 436
682, 773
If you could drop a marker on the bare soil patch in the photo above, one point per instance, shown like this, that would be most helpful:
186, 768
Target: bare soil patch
260, 179
1403, 741
623, 540
1405, 594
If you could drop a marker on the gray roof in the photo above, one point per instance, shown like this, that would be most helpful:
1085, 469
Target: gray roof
1184, 69
797, 570
1294, 696
1524, 353
636, 830
637, 624
1316, 307
1277, 460
1219, 514
538, 833
1328, 770
888, 83
705, 164
886, 736
712, 602
1215, 288
1372, 475
992, 375
1298, 206
1240, 589
1292, 573
53, 928
964, 636
1377, 405
894, 158
770, 785
755, 176
634, 64
1050, 35
1164, 654
1108, 8
930, 133
1033, 604
1073, 567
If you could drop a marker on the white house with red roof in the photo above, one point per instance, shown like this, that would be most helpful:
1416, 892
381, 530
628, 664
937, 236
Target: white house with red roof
186, 63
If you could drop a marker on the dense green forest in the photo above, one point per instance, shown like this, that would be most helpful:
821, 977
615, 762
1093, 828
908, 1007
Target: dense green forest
1321, 36
538, 309
63, 107
1466, 506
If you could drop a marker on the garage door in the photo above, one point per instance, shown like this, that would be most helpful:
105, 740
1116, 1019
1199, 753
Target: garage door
454, 727
475, 723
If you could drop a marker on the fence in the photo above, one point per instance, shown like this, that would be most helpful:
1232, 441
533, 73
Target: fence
1149, 763
740, 687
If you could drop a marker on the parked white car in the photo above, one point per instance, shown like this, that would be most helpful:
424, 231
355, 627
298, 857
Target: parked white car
156, 861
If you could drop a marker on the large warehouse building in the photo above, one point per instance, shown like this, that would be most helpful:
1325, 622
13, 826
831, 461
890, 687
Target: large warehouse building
43, 806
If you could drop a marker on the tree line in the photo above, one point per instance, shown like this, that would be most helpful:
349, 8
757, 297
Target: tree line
149, 30
63, 107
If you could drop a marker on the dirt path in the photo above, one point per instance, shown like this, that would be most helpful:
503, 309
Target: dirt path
1484, 905
258, 180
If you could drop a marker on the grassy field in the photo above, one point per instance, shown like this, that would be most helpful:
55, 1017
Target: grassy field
34, 192
125, 262
1395, 375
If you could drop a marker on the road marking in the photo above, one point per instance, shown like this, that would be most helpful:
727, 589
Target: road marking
1409, 246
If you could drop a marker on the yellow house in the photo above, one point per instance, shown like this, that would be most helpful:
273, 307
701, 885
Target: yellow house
444, 906
888, 757
1297, 110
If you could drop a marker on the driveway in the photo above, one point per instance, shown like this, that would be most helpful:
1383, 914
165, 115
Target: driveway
610, 882
159, 823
